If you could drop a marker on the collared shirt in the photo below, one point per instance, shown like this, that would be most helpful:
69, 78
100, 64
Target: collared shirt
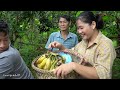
70, 41
100, 55
12, 65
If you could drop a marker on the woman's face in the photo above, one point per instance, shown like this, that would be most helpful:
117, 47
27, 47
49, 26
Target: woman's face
4, 42
63, 24
84, 29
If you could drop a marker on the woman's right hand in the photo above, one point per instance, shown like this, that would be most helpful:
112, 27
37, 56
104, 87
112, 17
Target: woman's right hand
56, 45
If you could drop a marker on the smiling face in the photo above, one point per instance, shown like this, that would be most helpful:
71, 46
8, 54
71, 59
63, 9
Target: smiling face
63, 24
4, 42
85, 30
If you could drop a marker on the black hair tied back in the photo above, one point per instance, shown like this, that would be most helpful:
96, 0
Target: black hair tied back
99, 21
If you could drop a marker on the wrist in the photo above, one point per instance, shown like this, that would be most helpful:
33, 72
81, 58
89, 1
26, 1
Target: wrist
62, 48
73, 64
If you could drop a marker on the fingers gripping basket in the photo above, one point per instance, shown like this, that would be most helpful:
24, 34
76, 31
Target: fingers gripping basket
46, 74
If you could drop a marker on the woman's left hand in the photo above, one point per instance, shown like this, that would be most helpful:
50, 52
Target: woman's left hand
63, 70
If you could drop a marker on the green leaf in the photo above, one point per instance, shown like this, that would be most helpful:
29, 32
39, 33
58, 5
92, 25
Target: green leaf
105, 18
114, 23
50, 17
115, 43
37, 22
78, 13
105, 32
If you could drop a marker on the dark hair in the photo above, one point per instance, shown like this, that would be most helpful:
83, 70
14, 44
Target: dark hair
4, 27
66, 17
88, 17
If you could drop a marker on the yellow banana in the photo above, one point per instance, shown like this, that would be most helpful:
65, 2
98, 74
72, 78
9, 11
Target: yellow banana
41, 58
44, 67
38, 65
48, 64
42, 64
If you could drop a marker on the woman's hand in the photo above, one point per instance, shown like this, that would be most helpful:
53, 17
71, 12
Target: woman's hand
56, 45
64, 69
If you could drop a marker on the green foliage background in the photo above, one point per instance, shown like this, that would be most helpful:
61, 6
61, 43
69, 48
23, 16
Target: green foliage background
29, 31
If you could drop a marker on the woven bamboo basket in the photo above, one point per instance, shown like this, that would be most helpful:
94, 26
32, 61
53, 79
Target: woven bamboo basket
46, 74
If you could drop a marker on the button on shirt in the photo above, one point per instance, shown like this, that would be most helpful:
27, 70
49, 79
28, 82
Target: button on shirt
70, 41
100, 55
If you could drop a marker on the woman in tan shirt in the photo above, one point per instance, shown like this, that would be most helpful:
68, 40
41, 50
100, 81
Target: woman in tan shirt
96, 51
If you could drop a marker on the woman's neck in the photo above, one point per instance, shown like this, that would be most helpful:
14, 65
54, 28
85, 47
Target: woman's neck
91, 40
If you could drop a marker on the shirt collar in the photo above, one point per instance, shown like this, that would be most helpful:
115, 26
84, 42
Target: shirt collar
6, 53
69, 35
98, 38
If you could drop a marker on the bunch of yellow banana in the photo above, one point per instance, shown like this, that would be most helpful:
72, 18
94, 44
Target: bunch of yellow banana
41, 58
49, 61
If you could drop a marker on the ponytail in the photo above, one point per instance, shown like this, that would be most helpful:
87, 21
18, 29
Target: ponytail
99, 21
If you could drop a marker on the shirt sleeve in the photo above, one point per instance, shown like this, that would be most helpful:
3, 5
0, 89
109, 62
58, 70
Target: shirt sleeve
50, 39
6, 67
104, 62
73, 51
76, 40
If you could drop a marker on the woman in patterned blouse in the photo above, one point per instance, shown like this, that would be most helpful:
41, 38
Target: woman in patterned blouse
96, 51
